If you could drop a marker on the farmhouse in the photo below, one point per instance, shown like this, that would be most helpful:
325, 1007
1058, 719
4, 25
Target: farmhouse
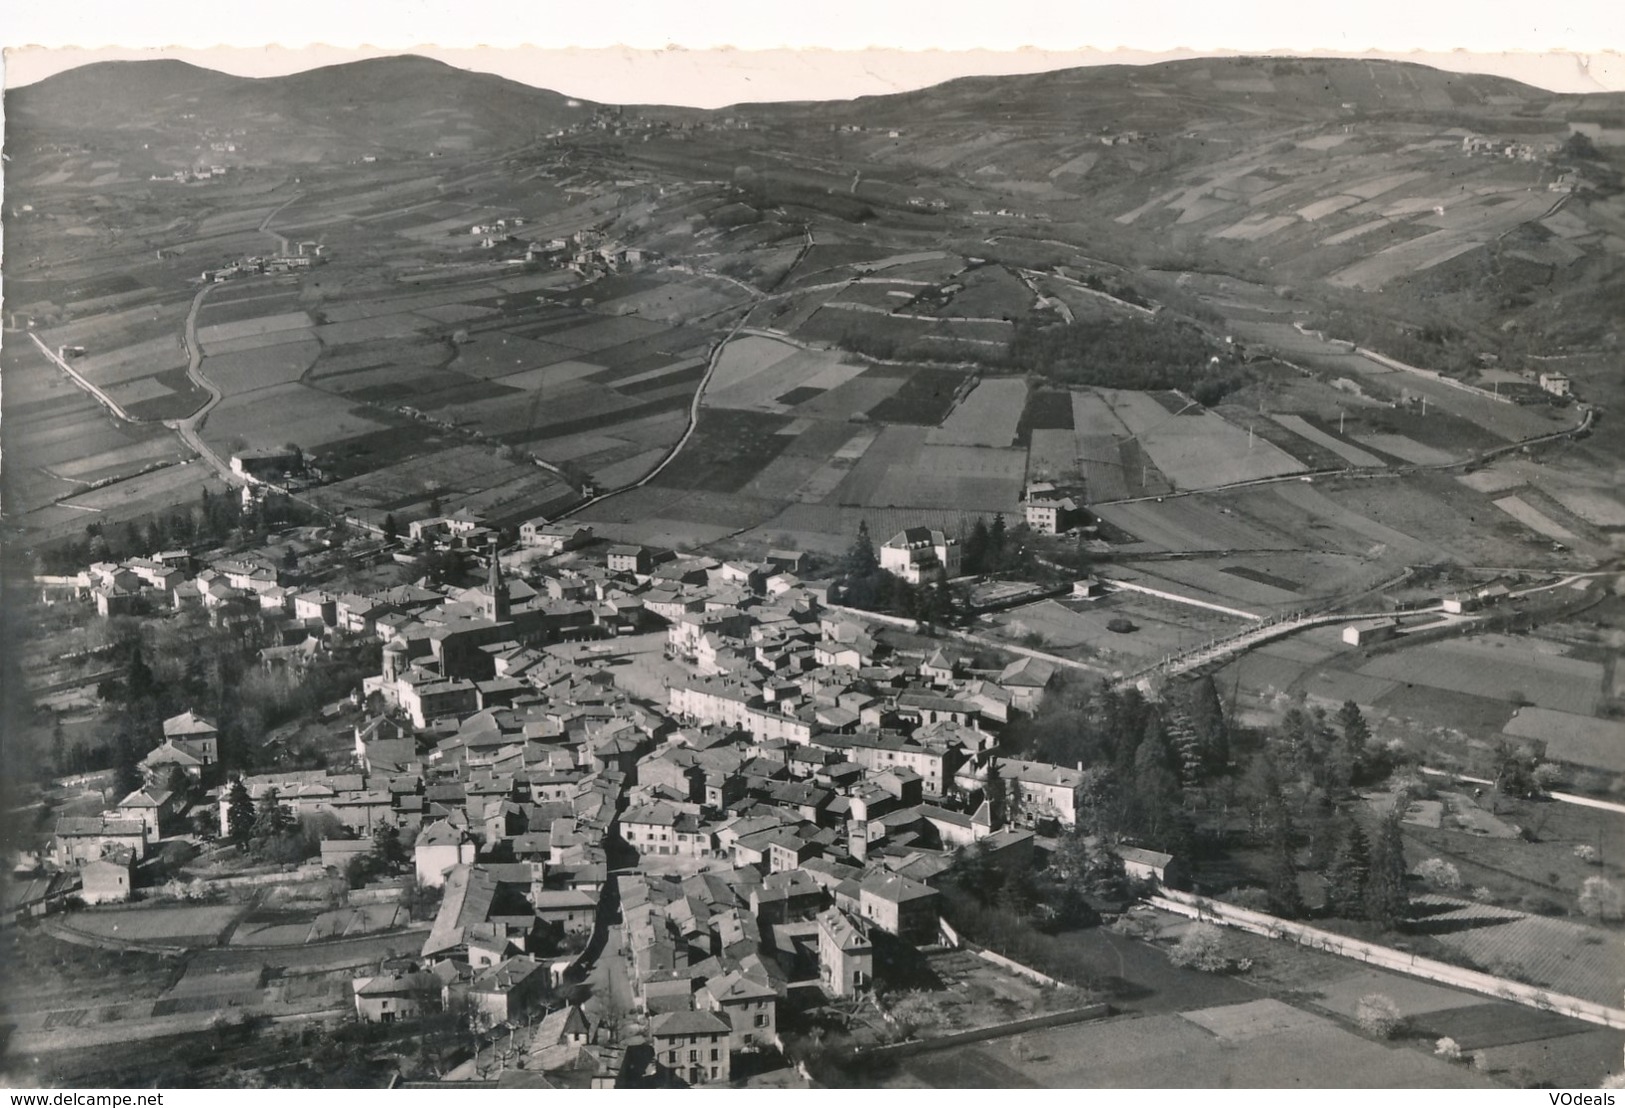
1555, 383
108, 879
554, 538
83, 839
388, 997
1050, 513
267, 463
1088, 588
1370, 631
1149, 865
918, 554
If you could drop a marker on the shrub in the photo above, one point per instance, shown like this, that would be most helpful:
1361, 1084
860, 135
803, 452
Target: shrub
1587, 854
1439, 873
1601, 899
1251, 897
1482, 894
1379, 1016
1448, 1049
1120, 625
1203, 947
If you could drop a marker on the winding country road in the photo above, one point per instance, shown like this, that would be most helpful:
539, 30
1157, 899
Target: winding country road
187, 428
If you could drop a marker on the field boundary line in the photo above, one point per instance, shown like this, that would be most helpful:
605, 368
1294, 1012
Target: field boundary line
61, 363
1176, 598
1207, 910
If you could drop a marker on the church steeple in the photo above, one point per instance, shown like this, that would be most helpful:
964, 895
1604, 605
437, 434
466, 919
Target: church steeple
496, 607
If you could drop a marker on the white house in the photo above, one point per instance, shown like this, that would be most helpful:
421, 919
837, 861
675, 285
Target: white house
917, 554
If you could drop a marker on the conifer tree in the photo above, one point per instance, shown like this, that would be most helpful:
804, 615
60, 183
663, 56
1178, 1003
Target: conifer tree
1386, 900
1285, 900
1348, 873
1351, 722
239, 814
861, 561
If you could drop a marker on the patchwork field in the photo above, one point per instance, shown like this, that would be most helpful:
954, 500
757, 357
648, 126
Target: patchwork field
1497, 667
1195, 448
1347, 451
1569, 958
1265, 1044
1190, 524
987, 417
1580, 739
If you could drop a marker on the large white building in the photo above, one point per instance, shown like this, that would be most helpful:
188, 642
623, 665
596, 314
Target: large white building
916, 554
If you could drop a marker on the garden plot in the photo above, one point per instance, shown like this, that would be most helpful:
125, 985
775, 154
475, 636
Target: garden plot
1498, 668
1534, 519
1348, 452
248, 328
1581, 740
257, 369
987, 417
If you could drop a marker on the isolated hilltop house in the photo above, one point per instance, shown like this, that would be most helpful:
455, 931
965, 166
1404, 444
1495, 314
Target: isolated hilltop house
918, 554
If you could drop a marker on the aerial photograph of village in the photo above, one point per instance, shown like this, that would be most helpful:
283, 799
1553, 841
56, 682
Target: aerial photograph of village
1106, 577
